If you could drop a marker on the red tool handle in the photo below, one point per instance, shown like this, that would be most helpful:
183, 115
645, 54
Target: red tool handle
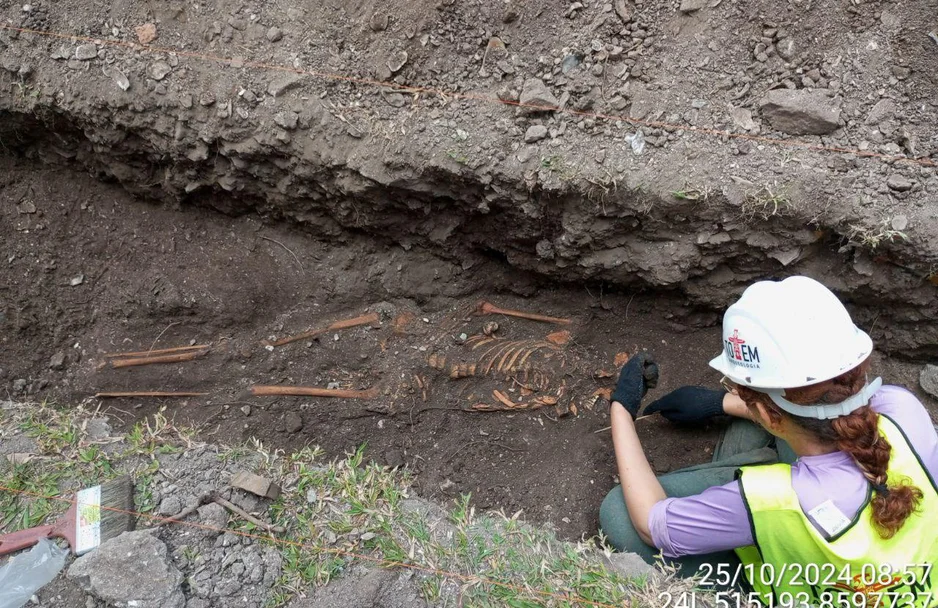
23, 539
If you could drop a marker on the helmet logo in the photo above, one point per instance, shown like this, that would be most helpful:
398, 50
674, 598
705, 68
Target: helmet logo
743, 354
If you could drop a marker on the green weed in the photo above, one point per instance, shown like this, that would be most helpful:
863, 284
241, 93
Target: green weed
691, 194
458, 156
558, 166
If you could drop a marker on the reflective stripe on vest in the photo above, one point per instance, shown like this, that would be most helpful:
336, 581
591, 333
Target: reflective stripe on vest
792, 564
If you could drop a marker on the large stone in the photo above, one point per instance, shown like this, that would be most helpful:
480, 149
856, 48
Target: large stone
786, 48
628, 565
281, 84
689, 6
535, 133
119, 78
293, 423
133, 569
899, 183
214, 517
86, 52
929, 380
98, 429
379, 22
366, 588
397, 61
57, 361
536, 93
287, 120
170, 506
644, 103
274, 34
743, 118
800, 112
883, 110
625, 9
159, 70
146, 33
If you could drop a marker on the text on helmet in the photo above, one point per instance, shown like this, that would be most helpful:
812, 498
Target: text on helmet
740, 352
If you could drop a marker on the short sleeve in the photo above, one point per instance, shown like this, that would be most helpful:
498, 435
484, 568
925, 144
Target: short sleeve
714, 520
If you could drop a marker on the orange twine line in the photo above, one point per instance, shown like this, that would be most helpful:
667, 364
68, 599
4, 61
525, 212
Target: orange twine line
468, 578
925, 162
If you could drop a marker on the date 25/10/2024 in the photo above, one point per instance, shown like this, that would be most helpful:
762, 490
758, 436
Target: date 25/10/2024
870, 577
820, 585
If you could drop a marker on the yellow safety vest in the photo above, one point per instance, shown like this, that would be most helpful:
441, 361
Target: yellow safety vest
792, 564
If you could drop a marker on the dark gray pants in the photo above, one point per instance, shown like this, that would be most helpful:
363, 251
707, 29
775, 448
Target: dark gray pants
743, 443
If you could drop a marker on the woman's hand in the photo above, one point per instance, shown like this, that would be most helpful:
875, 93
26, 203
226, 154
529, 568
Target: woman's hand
636, 377
689, 404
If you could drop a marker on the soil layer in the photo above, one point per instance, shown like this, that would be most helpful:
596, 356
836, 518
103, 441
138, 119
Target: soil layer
779, 138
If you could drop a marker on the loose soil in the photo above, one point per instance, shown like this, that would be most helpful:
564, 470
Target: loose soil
89, 270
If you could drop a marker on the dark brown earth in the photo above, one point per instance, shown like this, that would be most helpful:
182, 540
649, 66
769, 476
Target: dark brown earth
154, 276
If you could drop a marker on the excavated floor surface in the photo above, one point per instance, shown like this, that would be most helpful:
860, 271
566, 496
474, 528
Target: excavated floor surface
88, 270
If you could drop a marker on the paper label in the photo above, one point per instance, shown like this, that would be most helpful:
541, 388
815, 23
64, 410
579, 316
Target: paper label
88, 520
829, 517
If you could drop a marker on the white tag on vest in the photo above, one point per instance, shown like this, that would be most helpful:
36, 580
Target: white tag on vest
829, 517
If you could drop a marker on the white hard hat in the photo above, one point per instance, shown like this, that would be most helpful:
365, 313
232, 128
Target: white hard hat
788, 334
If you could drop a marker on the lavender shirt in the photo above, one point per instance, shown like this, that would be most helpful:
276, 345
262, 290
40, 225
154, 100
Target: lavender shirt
716, 519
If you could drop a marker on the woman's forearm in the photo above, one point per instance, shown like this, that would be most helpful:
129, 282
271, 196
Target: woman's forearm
734, 406
640, 487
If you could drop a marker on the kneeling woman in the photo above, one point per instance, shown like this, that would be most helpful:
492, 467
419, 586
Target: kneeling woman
831, 492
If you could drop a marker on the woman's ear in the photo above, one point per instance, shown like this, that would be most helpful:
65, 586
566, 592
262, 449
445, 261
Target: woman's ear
768, 417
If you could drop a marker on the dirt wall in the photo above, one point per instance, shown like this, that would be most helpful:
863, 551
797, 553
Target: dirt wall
227, 108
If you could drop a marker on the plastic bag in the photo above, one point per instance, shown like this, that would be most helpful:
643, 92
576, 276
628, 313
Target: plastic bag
28, 572
637, 141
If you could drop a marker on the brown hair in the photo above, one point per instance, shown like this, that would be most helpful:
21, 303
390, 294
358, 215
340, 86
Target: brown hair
856, 434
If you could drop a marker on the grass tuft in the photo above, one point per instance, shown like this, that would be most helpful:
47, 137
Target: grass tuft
348, 506
766, 204
67, 460
875, 235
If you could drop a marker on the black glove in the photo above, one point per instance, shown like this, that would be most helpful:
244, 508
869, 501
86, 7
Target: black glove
688, 404
636, 377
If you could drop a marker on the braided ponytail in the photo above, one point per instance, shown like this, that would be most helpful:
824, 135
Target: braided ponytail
856, 434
